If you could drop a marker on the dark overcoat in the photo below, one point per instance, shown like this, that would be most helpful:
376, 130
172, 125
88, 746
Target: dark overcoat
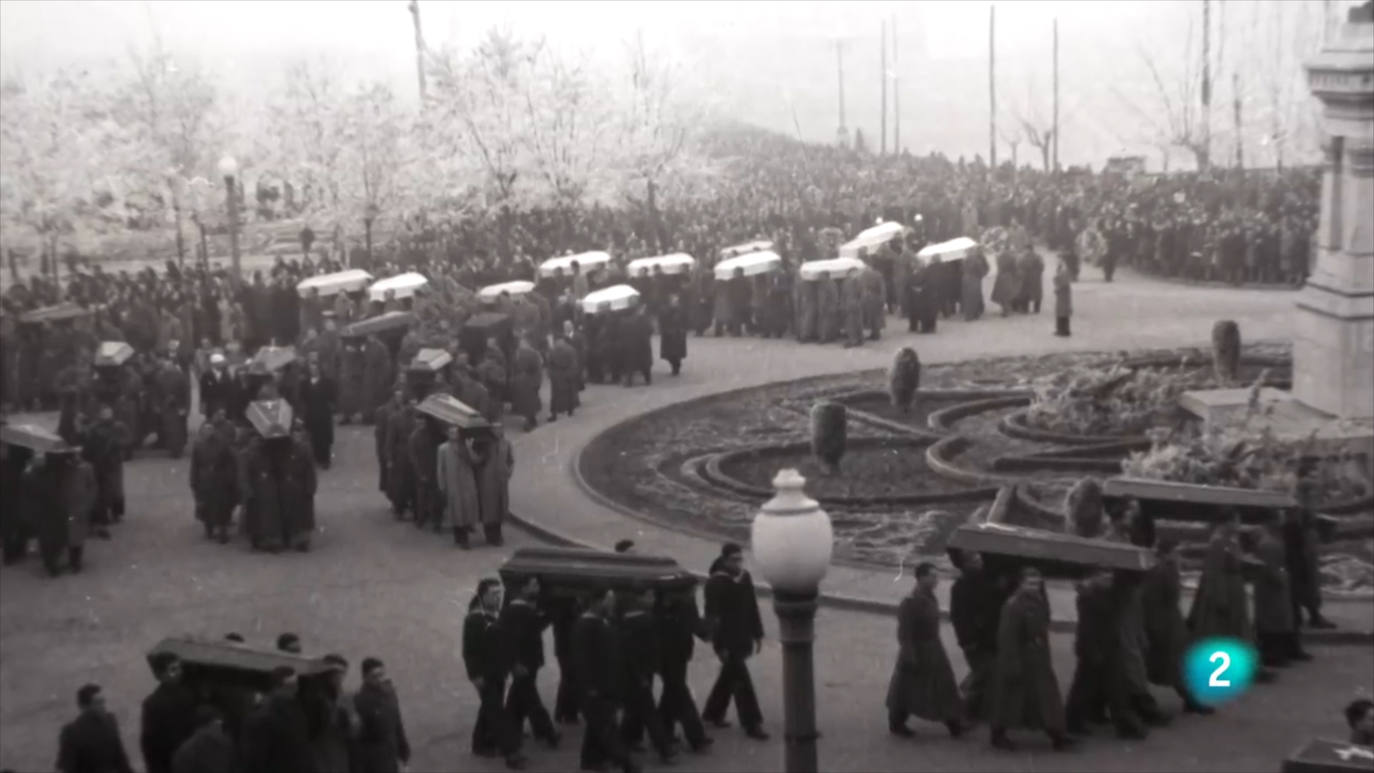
922, 682
1025, 692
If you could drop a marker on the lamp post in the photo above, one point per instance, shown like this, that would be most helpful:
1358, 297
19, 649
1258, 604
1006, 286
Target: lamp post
229, 168
792, 541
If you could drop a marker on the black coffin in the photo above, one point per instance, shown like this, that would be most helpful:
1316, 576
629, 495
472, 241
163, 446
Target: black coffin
572, 571
1055, 554
1193, 502
1321, 755
59, 313
380, 324
225, 663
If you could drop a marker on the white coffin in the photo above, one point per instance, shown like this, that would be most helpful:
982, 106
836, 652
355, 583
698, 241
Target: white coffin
835, 268
404, 286
351, 281
586, 261
871, 238
758, 245
954, 249
754, 263
613, 298
676, 263
490, 293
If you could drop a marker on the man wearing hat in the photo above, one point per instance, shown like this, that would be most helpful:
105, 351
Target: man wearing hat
215, 386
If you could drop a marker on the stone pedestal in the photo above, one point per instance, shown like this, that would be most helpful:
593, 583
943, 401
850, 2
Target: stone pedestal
1333, 350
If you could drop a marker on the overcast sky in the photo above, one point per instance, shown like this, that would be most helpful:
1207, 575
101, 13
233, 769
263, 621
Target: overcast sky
773, 63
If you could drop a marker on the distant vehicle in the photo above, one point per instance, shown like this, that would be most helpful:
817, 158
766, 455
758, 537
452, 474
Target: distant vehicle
1126, 166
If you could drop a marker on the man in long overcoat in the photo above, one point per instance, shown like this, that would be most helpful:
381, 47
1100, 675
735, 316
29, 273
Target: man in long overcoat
971, 288
1025, 691
319, 395
214, 477
672, 333
852, 305
922, 682
1165, 630
1006, 288
1221, 607
807, 312
527, 375
352, 379
400, 474
732, 614
457, 483
380, 377
168, 716
874, 302
1031, 269
381, 745
637, 344
103, 446
828, 309
64, 493
563, 380
424, 453
493, 463
1274, 629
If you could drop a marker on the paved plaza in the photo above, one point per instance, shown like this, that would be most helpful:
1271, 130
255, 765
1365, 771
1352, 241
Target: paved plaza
373, 586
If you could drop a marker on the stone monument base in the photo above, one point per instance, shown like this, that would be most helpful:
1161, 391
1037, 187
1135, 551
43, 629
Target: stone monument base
1288, 419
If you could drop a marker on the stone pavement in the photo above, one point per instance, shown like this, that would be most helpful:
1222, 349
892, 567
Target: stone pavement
1134, 312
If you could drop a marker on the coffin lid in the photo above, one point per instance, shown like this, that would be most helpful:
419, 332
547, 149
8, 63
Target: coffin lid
233, 663
58, 313
350, 281
836, 268
753, 263
1036, 546
675, 263
430, 360
585, 262
735, 250
1222, 496
450, 410
582, 569
270, 359
953, 249
112, 353
271, 418
34, 438
404, 286
611, 298
493, 292
391, 320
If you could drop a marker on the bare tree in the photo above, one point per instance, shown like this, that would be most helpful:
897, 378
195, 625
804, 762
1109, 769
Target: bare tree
566, 118
305, 143
1175, 118
481, 97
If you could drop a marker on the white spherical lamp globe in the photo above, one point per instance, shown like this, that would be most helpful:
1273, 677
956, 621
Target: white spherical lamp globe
792, 538
228, 166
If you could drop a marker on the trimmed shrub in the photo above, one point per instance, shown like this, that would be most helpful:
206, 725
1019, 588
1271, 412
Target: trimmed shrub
904, 379
828, 431
1226, 351
1083, 509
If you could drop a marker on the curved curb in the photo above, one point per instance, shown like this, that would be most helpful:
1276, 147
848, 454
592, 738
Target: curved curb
953, 445
1015, 425
943, 420
714, 474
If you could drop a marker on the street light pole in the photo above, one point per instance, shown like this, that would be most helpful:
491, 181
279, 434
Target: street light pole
792, 540
229, 168
796, 631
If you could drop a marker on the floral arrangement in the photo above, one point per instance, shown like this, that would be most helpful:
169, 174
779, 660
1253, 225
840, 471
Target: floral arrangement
1110, 401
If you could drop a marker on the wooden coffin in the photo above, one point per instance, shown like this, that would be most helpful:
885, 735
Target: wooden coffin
62, 312
572, 571
1192, 502
1322, 755
1052, 552
382, 323
33, 437
228, 663
450, 410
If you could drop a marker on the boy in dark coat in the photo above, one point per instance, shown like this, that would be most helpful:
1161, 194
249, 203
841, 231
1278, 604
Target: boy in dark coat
596, 652
168, 715
522, 622
922, 682
91, 743
732, 610
487, 659
1025, 691
381, 745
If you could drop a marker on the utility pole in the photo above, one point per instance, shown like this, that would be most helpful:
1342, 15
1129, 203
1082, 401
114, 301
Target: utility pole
896, 94
843, 133
1240, 139
992, 86
1204, 158
882, 73
419, 50
1056, 95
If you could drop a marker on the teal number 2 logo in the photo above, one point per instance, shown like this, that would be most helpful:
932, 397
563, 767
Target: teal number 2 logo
1219, 670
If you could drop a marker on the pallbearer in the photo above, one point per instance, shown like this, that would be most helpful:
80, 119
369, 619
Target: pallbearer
214, 476
275, 503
